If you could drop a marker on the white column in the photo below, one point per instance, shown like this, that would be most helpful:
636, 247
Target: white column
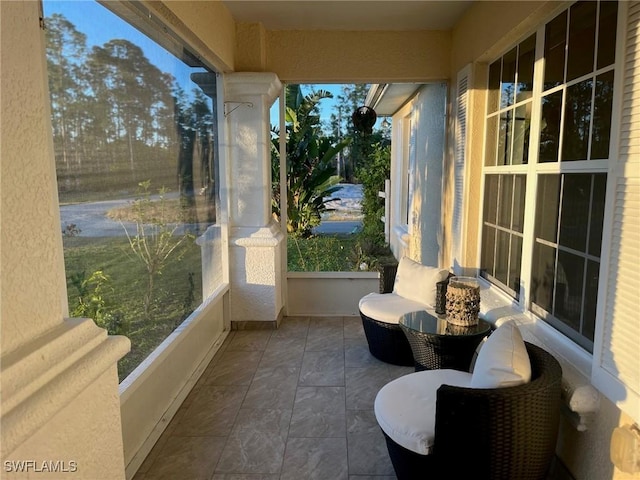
256, 241
59, 382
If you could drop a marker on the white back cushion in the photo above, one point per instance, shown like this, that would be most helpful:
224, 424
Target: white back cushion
503, 360
417, 282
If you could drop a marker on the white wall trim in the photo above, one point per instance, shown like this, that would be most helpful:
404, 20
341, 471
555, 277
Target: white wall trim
153, 392
142, 453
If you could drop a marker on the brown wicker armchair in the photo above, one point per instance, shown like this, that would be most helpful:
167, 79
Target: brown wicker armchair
387, 342
501, 433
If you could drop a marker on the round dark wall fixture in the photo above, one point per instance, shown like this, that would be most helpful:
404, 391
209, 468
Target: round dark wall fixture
364, 118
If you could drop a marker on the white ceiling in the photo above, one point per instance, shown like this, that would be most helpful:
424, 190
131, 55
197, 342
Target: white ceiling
349, 14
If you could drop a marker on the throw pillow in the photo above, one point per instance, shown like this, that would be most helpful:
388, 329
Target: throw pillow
417, 282
503, 360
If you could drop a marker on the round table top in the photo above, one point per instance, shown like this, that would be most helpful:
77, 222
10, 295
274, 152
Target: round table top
427, 321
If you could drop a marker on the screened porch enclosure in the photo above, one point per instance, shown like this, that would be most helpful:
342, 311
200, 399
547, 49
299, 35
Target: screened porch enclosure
522, 175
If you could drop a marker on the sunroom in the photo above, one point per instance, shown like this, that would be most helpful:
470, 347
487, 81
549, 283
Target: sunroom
513, 159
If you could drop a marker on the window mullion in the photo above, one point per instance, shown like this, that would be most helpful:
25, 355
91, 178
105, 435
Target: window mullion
557, 248
583, 300
563, 111
594, 75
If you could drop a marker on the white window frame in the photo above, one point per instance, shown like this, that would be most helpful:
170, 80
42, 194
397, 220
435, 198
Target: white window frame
402, 164
589, 366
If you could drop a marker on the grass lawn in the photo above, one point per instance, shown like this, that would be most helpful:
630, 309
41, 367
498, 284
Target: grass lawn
178, 290
322, 253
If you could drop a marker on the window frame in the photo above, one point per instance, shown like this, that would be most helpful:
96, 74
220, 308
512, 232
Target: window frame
577, 354
403, 162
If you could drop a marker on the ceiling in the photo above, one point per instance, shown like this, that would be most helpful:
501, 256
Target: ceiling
349, 14
355, 15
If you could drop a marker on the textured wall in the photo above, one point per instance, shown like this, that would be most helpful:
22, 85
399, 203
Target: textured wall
209, 25
334, 56
488, 28
426, 201
59, 378
255, 271
329, 293
586, 454
251, 51
256, 242
33, 283
90, 437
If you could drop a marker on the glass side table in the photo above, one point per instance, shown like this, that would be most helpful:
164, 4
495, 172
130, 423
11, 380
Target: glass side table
437, 343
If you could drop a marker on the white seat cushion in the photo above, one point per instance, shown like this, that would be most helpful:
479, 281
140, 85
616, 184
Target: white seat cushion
503, 360
388, 307
406, 407
417, 282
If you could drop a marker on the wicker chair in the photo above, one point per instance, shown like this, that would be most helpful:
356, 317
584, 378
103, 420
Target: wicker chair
387, 342
501, 433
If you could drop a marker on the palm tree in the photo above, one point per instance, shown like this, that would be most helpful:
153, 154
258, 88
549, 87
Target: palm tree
311, 173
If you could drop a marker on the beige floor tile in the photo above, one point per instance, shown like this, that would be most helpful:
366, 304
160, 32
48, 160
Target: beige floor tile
294, 403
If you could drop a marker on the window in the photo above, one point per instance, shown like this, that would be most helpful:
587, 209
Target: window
509, 104
503, 220
566, 253
508, 133
135, 139
568, 97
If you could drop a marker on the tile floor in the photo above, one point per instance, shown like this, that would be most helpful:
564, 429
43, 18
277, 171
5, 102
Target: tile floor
291, 404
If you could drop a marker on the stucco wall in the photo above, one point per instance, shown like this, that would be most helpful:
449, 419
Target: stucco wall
429, 113
329, 293
209, 25
334, 56
487, 28
33, 287
586, 454
59, 378
251, 51
86, 432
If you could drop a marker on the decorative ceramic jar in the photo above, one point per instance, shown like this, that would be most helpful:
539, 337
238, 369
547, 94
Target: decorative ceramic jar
463, 301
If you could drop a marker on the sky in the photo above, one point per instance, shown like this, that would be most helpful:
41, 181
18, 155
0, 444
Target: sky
326, 104
105, 26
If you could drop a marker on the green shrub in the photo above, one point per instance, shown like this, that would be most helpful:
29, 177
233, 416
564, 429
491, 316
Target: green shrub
372, 177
